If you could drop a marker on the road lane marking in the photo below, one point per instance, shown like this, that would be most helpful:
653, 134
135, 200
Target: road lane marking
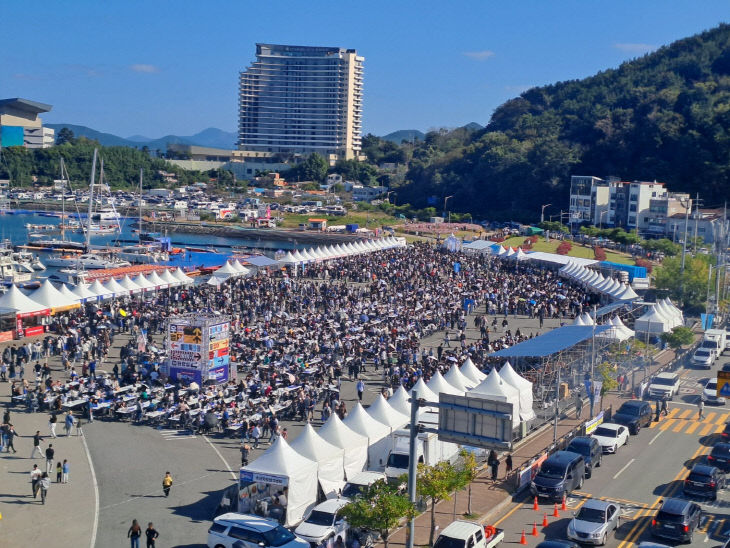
709, 417
667, 424
96, 494
516, 507
682, 421
706, 429
627, 465
722, 419
155, 492
228, 466
641, 523
655, 437
719, 429
692, 427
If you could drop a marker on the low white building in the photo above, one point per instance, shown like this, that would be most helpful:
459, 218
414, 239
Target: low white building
362, 193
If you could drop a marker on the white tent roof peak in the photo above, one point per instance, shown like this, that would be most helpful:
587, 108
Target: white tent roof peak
458, 380
438, 384
469, 370
383, 412
399, 401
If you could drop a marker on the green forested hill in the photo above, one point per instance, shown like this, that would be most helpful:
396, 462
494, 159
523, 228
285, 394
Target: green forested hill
664, 116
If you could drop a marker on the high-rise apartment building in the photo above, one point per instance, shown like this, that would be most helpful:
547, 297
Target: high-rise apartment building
301, 99
21, 126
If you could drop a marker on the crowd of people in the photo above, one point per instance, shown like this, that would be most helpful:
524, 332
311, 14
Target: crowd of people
295, 335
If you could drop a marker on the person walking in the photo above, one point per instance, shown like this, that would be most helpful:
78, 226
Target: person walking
494, 464
49, 458
508, 464
11, 437
35, 479
700, 408
360, 389
256, 434
68, 423
66, 469
245, 450
52, 420
665, 408
578, 405
37, 439
133, 534
151, 534
59, 472
166, 484
45, 483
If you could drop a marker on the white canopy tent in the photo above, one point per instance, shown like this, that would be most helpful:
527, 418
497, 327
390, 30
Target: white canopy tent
100, 291
130, 286
169, 279
290, 469
64, 290
384, 412
226, 271
470, 371
50, 297
288, 259
653, 322
14, 299
355, 445
143, 282
379, 441
495, 388
523, 386
458, 380
155, 280
424, 391
82, 293
399, 401
329, 458
438, 384
118, 290
184, 278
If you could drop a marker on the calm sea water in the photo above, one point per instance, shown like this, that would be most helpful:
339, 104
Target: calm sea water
12, 227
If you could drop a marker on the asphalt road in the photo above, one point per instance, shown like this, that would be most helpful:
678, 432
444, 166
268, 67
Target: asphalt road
651, 468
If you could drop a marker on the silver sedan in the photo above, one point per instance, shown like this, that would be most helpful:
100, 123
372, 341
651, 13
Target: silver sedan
594, 521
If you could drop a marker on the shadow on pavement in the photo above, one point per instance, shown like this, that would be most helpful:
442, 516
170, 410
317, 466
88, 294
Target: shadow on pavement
202, 509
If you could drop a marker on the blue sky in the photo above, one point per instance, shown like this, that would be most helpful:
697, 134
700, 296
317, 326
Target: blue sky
157, 67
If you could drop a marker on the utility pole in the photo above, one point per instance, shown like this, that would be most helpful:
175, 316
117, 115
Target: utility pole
687, 207
697, 213
542, 213
412, 470
557, 407
592, 396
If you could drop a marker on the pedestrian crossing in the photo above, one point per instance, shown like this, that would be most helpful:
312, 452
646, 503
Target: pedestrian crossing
686, 421
173, 435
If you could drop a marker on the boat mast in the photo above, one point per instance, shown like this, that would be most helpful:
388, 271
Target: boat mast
91, 201
63, 203
140, 207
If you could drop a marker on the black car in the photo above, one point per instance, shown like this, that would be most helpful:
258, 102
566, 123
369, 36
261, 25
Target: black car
634, 414
677, 519
726, 432
590, 449
704, 481
720, 456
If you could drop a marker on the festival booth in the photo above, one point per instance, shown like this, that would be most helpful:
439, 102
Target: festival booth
618, 331
29, 315
242, 270
66, 292
117, 290
471, 372
225, 272
378, 434
437, 384
652, 322
83, 294
523, 386
452, 243
355, 446
182, 277
330, 460
279, 470
143, 282
100, 291
458, 380
129, 285
155, 280
50, 297
169, 279
382, 411
399, 401
424, 392
495, 388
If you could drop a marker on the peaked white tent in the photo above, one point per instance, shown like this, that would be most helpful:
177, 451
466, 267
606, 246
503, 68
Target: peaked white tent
288, 259
354, 444
458, 380
438, 384
112, 285
523, 386
14, 299
64, 290
470, 371
225, 272
652, 321
169, 279
378, 434
424, 392
184, 278
330, 459
286, 467
155, 280
143, 282
82, 293
50, 297
495, 388
399, 402
130, 286
384, 412
100, 291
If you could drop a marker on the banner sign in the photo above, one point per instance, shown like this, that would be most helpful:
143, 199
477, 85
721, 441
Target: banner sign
592, 424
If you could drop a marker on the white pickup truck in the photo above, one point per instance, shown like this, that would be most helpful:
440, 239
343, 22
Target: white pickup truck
664, 386
468, 534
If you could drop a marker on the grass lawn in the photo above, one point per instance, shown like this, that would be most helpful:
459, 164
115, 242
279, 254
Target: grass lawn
365, 219
577, 250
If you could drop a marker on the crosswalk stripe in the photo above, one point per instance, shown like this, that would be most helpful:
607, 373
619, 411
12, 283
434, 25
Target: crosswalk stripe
692, 427
709, 417
723, 419
706, 429
668, 417
667, 423
681, 421
709, 521
719, 429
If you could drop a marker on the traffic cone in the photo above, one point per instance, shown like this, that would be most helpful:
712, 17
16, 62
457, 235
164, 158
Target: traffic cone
555, 511
534, 529
523, 538
562, 506
535, 507
544, 520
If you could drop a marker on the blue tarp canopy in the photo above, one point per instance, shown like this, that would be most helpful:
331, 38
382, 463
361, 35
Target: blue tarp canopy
551, 342
609, 308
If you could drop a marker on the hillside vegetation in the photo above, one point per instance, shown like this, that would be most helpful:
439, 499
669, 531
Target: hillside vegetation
664, 116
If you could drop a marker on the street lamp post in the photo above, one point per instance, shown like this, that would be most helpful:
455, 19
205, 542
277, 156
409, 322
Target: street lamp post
389, 193
446, 200
600, 218
542, 213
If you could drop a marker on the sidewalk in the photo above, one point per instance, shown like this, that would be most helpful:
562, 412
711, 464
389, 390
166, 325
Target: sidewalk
488, 499
68, 519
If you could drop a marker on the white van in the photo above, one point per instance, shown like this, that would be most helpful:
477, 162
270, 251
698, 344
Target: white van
323, 523
704, 357
468, 534
252, 532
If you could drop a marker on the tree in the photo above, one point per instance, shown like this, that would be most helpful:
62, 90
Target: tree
679, 336
436, 483
554, 226
65, 135
314, 168
467, 470
607, 373
691, 288
379, 508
